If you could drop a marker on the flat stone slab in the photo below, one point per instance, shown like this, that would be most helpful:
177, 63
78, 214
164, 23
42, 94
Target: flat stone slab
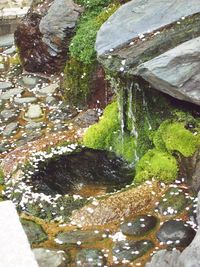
10, 93
48, 90
14, 247
24, 100
7, 40
176, 72
140, 17
5, 85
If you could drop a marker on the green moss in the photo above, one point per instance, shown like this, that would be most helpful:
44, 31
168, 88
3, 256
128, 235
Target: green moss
173, 136
1, 177
106, 134
77, 82
82, 44
156, 164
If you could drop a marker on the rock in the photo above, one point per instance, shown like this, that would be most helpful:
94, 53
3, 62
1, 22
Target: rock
176, 72
176, 233
11, 93
164, 258
72, 237
50, 100
10, 51
34, 112
34, 231
139, 226
33, 125
14, 246
148, 29
24, 100
90, 258
87, 118
5, 85
51, 257
48, 90
173, 202
7, 40
10, 128
51, 25
131, 250
8, 114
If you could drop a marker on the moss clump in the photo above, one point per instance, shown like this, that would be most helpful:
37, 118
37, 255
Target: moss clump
82, 44
173, 136
156, 164
106, 134
77, 81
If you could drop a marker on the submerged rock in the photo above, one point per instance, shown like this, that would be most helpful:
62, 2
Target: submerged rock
131, 250
34, 231
176, 233
90, 258
51, 257
71, 238
140, 226
44, 34
176, 72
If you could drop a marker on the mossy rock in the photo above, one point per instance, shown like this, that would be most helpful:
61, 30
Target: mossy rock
173, 202
34, 232
156, 164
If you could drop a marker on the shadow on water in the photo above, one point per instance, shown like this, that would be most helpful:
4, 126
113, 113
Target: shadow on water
87, 173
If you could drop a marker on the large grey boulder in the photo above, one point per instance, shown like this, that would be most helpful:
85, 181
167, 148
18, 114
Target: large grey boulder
164, 258
176, 72
141, 30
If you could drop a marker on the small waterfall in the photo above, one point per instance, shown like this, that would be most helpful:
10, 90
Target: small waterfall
146, 109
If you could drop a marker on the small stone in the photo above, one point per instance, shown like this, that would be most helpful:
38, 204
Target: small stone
50, 89
74, 236
24, 100
34, 112
10, 128
8, 114
172, 231
34, 231
90, 258
140, 226
51, 257
33, 125
10, 93
5, 85
131, 250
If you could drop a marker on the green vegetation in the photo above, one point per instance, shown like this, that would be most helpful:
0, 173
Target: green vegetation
1, 177
77, 81
106, 134
173, 136
156, 164
82, 44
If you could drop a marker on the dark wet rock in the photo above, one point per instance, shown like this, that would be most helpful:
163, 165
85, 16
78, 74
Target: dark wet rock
34, 112
173, 202
34, 231
176, 233
176, 72
71, 238
149, 28
51, 257
87, 118
5, 85
164, 258
139, 226
10, 128
90, 258
51, 25
11, 93
131, 250
196, 173
8, 114
24, 100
